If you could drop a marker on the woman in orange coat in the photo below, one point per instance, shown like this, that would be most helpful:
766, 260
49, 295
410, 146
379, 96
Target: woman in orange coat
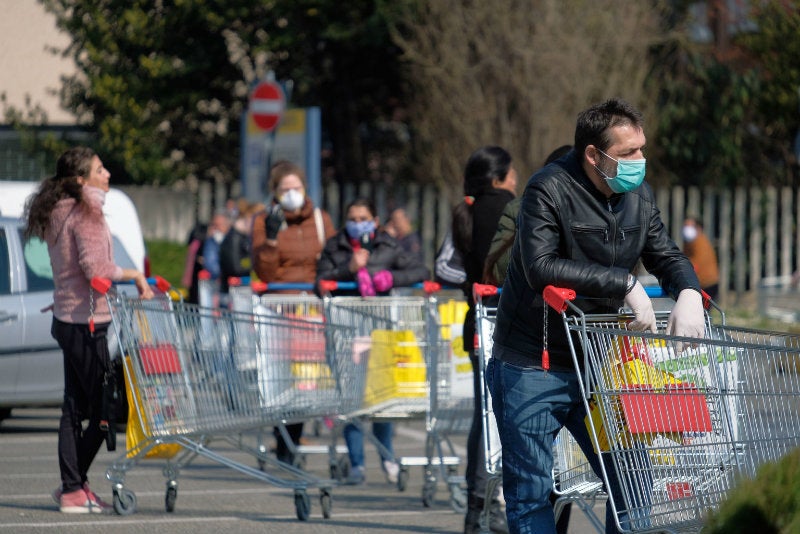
287, 241
700, 252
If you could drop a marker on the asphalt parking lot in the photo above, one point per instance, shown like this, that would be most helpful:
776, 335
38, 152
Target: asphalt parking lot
214, 498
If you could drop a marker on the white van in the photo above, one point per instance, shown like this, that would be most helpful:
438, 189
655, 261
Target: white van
31, 364
123, 220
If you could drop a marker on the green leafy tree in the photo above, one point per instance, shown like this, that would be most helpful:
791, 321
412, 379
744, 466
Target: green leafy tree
340, 56
164, 84
729, 117
157, 83
702, 136
776, 49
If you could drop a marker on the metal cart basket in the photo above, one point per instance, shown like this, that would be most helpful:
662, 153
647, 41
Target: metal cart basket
404, 368
678, 420
199, 374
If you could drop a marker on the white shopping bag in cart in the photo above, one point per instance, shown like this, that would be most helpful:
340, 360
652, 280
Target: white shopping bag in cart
460, 366
705, 366
273, 359
451, 317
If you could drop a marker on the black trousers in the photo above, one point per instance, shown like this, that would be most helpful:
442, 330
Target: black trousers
85, 360
282, 450
476, 475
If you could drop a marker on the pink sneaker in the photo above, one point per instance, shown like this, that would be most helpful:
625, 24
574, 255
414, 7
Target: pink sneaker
99, 506
75, 502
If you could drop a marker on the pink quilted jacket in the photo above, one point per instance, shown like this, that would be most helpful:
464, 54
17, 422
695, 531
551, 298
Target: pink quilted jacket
80, 247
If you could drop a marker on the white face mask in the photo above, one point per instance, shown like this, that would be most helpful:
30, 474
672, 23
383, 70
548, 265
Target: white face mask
689, 233
218, 236
292, 200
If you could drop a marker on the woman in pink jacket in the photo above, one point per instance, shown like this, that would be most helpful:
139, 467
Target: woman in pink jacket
67, 213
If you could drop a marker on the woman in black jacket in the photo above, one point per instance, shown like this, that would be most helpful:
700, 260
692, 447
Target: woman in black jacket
492, 181
361, 247
362, 252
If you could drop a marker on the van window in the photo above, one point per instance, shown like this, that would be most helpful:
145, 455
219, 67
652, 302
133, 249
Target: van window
37, 265
121, 257
5, 265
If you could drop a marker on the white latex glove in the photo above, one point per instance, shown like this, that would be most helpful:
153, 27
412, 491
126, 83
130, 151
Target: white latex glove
638, 301
687, 318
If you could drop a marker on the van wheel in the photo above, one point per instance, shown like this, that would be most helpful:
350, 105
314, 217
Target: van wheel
5, 413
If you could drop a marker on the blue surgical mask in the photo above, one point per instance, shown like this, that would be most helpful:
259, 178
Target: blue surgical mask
356, 229
630, 174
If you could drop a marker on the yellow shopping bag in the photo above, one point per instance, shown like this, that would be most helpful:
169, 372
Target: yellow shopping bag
396, 368
135, 435
309, 376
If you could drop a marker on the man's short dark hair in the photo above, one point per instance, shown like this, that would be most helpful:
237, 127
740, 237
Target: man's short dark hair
594, 123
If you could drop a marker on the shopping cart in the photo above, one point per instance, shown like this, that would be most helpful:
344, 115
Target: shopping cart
198, 374
403, 374
677, 421
574, 481
291, 300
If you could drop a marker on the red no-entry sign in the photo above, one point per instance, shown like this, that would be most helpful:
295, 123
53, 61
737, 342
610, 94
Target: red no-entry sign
267, 103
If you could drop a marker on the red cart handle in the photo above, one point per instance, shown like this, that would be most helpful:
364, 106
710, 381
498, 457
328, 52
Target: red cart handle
430, 287
557, 297
328, 286
483, 290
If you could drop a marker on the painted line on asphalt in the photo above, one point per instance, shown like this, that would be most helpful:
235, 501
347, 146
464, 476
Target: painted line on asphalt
421, 435
120, 522
139, 494
6, 439
37, 458
117, 522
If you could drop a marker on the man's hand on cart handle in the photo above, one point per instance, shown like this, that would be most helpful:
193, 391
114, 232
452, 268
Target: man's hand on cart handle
687, 318
642, 307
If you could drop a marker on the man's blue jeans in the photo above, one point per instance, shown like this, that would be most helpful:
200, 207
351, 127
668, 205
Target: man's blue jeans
354, 438
531, 406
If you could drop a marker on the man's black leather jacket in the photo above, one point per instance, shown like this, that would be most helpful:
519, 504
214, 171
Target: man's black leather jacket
571, 235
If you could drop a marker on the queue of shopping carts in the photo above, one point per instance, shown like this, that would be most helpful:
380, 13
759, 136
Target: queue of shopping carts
197, 375
677, 421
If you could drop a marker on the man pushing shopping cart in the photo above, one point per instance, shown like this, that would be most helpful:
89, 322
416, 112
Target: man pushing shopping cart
585, 221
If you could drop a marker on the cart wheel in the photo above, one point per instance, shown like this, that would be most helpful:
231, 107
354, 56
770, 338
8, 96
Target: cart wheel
325, 502
402, 478
170, 498
458, 499
302, 505
124, 501
428, 493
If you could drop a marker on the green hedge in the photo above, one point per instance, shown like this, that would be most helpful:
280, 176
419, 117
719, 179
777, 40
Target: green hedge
767, 504
167, 260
